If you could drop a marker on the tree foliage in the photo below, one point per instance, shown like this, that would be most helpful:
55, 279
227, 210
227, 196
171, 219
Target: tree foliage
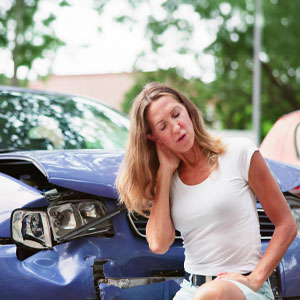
230, 94
26, 36
192, 87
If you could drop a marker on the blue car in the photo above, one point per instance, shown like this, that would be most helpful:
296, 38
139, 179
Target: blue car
63, 234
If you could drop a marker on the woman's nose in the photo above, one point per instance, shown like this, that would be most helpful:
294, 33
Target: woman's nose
176, 127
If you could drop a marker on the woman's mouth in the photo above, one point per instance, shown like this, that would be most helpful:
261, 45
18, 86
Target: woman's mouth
181, 138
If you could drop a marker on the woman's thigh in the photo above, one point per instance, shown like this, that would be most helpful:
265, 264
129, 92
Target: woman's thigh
264, 293
227, 288
219, 290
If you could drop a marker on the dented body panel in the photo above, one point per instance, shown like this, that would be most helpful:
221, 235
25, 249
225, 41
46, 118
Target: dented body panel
88, 171
67, 270
165, 290
15, 194
62, 273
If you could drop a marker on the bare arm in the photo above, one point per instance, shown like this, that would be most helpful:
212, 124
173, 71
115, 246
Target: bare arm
160, 232
272, 200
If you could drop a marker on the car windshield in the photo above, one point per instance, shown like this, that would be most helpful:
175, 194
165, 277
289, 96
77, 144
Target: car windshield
42, 121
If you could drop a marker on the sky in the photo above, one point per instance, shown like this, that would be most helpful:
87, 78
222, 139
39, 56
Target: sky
90, 51
115, 49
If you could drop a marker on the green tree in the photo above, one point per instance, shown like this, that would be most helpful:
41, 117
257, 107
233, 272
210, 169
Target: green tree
26, 36
230, 93
193, 88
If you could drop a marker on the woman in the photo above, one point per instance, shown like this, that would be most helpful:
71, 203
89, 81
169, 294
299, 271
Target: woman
204, 187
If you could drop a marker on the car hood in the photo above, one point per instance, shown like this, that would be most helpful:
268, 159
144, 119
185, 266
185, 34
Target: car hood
94, 171
88, 171
286, 175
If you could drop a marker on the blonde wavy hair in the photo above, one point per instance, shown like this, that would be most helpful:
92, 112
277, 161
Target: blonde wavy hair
136, 178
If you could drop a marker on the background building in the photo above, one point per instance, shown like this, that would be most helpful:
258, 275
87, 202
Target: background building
107, 88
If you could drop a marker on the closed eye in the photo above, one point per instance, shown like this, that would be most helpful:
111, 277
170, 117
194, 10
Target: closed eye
176, 115
163, 126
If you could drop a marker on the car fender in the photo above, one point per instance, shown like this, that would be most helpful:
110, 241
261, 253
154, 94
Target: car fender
15, 194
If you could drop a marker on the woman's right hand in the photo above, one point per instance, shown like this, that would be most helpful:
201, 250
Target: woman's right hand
168, 160
160, 230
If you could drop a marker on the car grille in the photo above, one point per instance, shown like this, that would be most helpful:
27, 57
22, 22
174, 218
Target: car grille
138, 223
266, 226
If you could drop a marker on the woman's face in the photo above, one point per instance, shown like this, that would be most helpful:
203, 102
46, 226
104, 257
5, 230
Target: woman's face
170, 124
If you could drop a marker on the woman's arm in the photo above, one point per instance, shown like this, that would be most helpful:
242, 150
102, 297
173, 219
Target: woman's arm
160, 232
275, 206
272, 200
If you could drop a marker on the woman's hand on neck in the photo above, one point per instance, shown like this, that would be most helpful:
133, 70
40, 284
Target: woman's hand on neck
168, 160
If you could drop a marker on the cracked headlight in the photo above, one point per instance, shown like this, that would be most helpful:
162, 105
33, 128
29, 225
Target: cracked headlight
70, 216
31, 228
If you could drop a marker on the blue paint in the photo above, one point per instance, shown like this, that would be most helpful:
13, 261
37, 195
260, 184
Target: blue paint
89, 171
287, 176
53, 274
16, 194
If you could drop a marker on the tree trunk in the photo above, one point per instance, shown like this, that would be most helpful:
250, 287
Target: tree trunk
15, 53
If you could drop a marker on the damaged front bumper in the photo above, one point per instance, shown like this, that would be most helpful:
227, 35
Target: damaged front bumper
164, 290
135, 288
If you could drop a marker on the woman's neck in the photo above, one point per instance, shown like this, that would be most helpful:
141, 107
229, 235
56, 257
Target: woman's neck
194, 167
193, 158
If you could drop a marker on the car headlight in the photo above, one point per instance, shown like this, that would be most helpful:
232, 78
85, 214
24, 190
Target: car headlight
70, 216
31, 228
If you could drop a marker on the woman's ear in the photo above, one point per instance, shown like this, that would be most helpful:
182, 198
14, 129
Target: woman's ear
151, 137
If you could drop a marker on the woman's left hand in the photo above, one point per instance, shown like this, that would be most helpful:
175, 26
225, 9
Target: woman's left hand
244, 279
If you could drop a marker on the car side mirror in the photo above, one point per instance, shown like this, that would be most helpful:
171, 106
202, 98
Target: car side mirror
31, 228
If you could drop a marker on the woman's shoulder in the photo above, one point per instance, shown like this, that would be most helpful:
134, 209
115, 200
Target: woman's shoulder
239, 153
238, 143
239, 148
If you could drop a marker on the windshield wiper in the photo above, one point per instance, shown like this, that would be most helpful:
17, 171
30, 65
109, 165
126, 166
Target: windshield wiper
83, 229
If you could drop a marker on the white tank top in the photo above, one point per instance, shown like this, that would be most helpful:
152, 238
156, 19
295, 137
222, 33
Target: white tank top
217, 218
